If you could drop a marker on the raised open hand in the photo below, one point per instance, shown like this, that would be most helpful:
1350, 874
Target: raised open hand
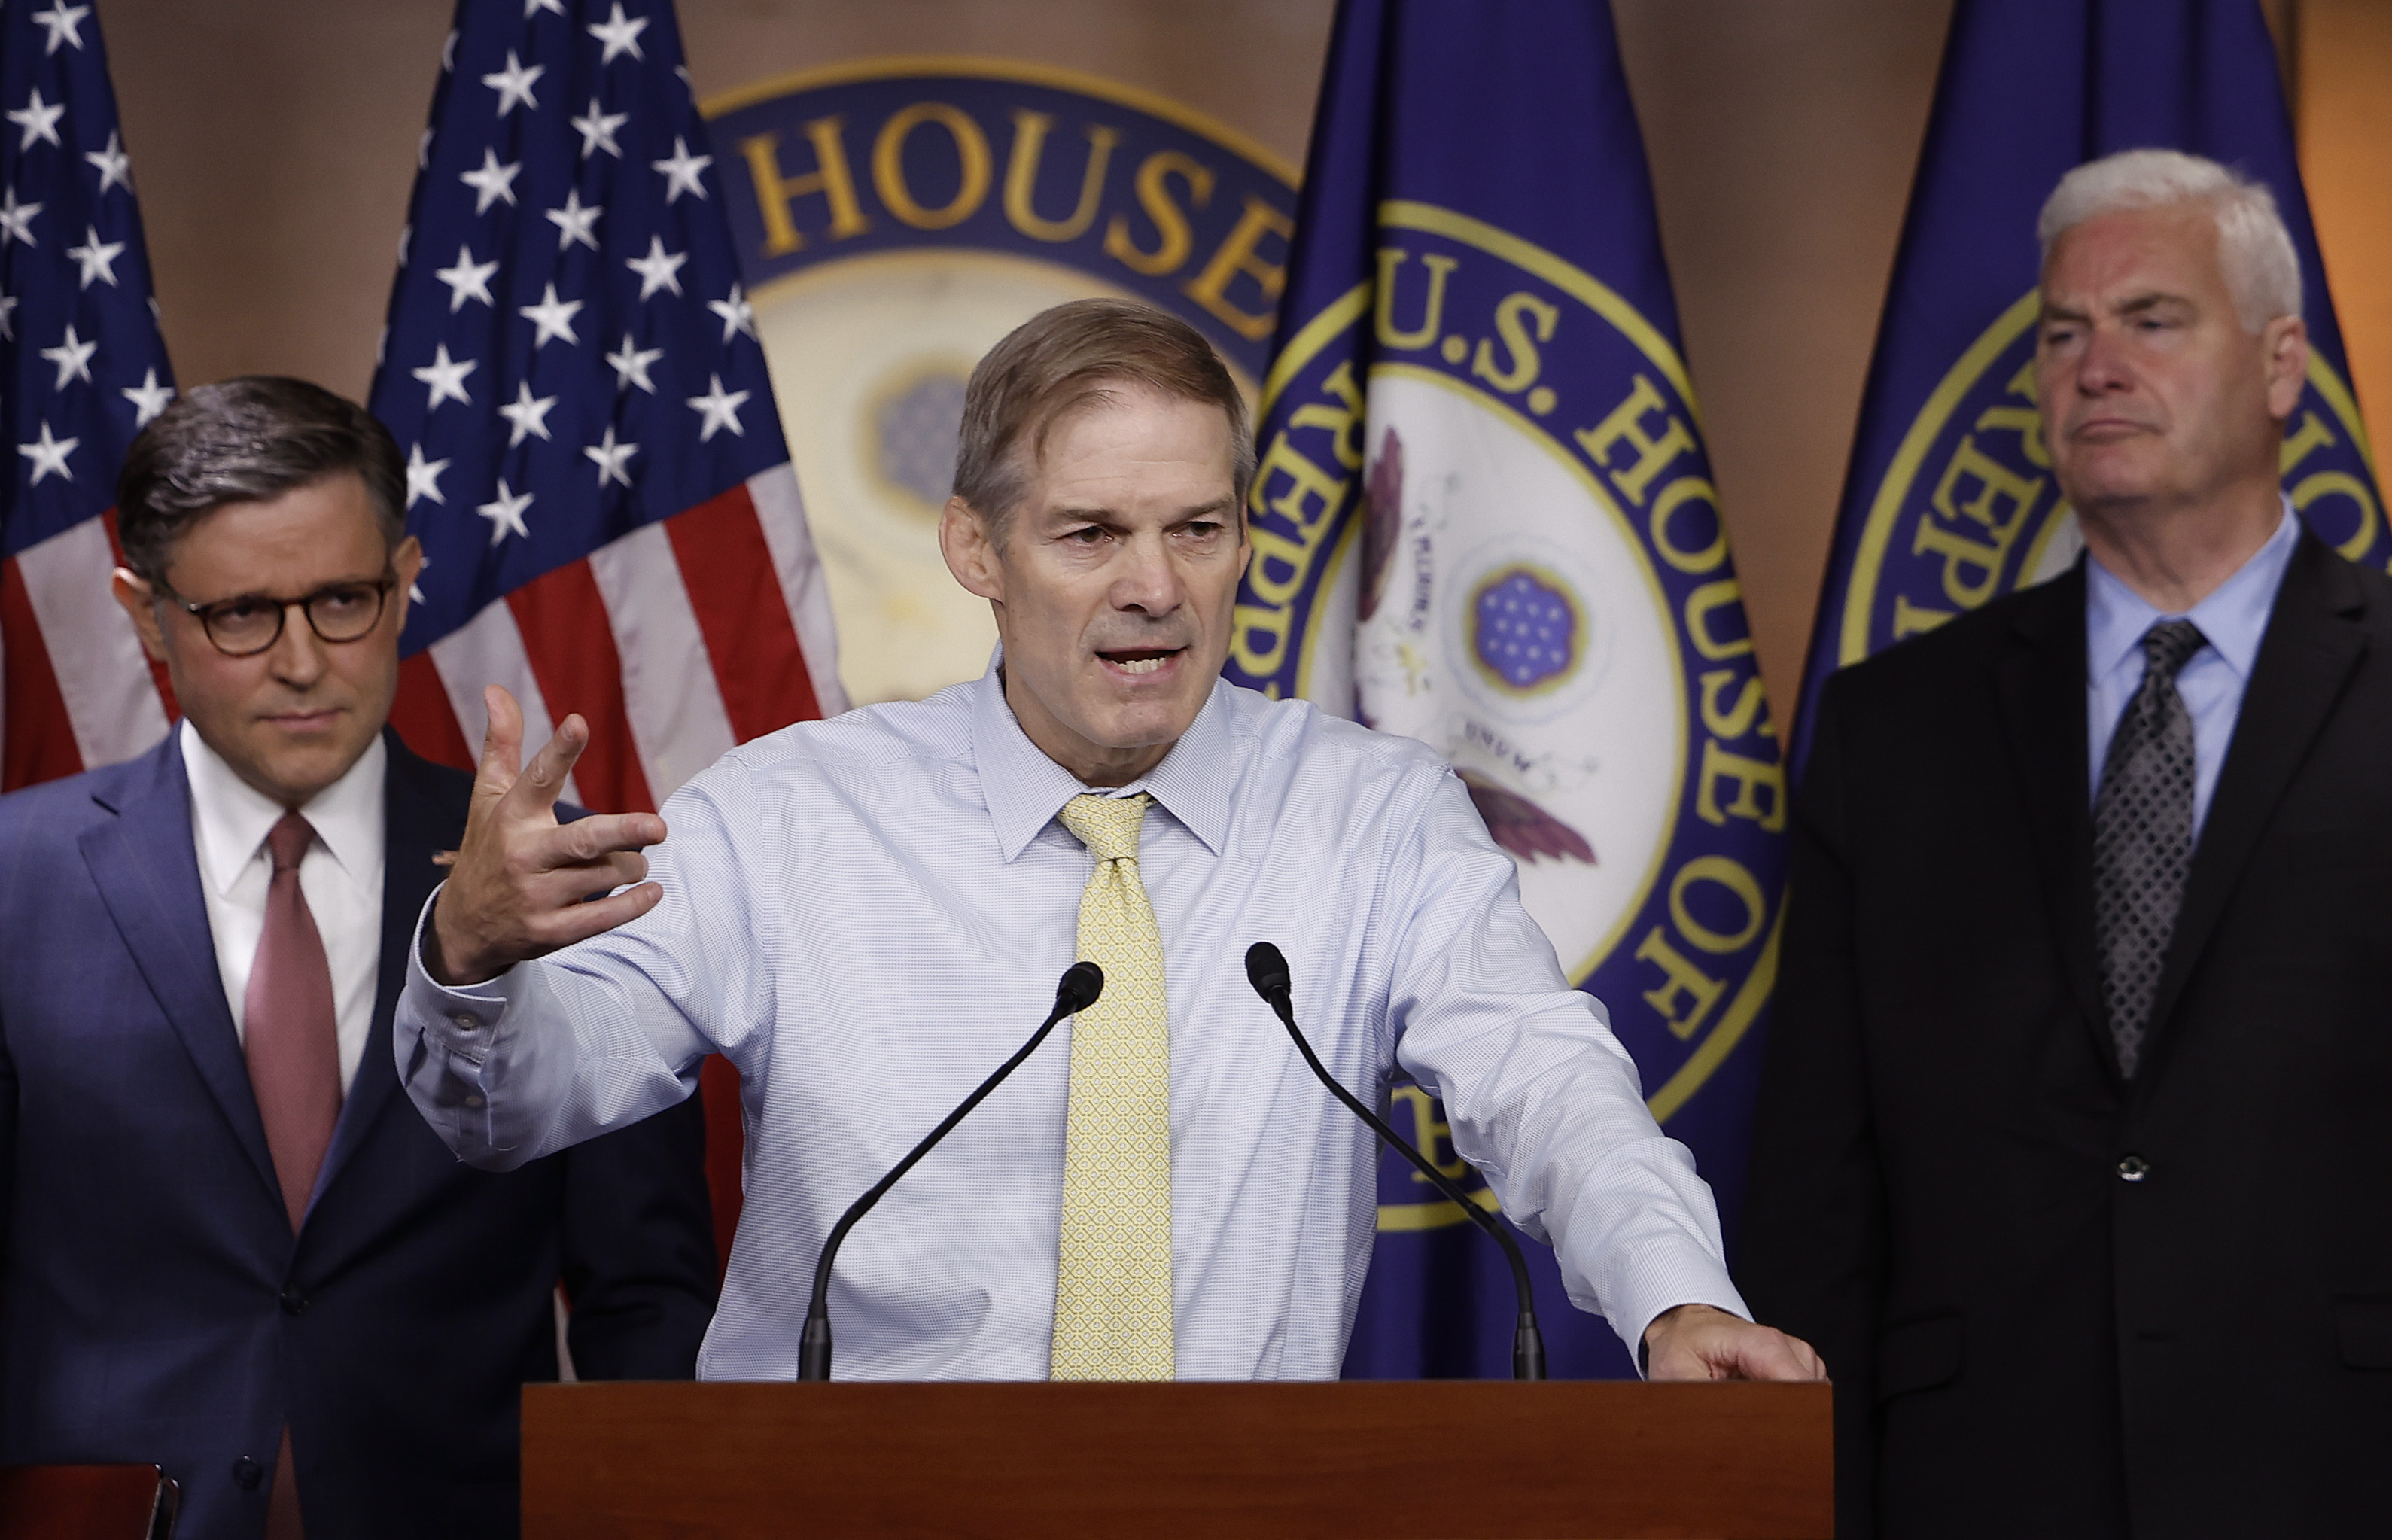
516, 889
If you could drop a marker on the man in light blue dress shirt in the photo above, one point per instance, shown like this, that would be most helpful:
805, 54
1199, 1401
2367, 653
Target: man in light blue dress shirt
867, 915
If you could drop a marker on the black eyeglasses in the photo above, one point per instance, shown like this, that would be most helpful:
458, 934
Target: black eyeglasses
247, 624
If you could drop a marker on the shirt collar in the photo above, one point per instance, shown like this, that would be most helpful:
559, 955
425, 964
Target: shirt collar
232, 817
2232, 618
1024, 789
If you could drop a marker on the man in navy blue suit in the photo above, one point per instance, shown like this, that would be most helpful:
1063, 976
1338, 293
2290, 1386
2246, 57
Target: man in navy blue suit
233, 1250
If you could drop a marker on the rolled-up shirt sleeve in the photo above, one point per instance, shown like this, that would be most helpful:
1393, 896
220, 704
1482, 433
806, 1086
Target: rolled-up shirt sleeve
596, 1036
1541, 1096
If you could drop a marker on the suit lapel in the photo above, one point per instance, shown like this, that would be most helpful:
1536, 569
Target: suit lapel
416, 824
2312, 645
147, 874
2042, 688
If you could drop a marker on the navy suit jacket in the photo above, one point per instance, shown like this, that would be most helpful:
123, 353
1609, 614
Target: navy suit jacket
155, 1305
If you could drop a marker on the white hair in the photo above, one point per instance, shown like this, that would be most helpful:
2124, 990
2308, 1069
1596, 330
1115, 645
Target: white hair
2255, 250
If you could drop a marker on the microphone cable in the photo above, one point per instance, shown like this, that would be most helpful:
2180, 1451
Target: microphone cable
1077, 990
1266, 971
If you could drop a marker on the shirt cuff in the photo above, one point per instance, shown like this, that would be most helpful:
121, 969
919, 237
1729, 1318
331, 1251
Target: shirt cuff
1657, 1279
444, 1039
459, 1019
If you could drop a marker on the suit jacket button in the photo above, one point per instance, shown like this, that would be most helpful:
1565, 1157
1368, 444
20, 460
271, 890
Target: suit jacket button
247, 1473
294, 1302
2133, 1168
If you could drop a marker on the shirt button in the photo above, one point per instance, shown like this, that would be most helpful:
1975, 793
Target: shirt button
464, 1023
474, 1101
2133, 1168
294, 1302
247, 1473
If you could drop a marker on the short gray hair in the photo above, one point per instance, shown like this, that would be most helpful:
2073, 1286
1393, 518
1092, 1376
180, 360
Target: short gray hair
2255, 250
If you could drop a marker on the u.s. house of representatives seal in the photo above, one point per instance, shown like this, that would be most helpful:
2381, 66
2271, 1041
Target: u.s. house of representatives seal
1967, 509
895, 218
1501, 540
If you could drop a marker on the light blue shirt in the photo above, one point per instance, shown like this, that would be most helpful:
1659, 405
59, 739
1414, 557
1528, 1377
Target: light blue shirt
867, 915
2232, 618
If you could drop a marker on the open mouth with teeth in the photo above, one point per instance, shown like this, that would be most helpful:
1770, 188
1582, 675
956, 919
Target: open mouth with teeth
1138, 660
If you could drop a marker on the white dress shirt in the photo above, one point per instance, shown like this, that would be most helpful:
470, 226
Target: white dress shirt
340, 876
2233, 621
868, 915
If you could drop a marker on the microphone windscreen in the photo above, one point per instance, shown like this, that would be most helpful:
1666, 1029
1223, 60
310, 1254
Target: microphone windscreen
1266, 971
1078, 988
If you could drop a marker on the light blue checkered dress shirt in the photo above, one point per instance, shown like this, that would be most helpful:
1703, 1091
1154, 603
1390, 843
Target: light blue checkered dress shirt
867, 915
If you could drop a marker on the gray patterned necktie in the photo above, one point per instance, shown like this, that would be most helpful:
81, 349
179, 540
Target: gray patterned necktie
2142, 837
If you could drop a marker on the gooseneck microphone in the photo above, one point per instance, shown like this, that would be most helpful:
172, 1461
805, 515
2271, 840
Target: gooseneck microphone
1266, 971
1077, 990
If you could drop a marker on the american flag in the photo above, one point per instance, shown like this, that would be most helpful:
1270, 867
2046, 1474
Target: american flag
82, 368
595, 465
595, 461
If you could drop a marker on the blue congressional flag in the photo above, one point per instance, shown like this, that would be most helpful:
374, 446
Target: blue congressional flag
1950, 500
595, 466
82, 369
1484, 517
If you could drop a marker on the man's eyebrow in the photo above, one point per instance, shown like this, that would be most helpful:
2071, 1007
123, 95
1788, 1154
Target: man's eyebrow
2135, 306
325, 586
1212, 508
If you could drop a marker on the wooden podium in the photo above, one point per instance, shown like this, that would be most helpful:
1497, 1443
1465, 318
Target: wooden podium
1389, 1460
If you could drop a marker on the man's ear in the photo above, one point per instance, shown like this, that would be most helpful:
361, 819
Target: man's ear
135, 594
2287, 363
965, 541
406, 561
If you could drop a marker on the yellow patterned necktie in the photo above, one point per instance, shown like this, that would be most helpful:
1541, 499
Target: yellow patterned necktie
1112, 1273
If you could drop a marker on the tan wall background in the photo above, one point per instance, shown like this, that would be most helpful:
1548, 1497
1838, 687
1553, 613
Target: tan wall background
2343, 109
274, 147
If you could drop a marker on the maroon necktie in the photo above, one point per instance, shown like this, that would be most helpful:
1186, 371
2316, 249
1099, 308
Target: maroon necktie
288, 1029
291, 1038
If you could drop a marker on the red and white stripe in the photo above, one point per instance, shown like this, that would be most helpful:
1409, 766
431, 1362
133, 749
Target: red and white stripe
674, 642
76, 690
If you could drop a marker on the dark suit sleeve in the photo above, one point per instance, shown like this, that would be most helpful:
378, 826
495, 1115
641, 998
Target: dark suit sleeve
639, 1248
1814, 1237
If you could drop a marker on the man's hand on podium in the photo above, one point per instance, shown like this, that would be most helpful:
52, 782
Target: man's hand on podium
518, 886
1699, 1342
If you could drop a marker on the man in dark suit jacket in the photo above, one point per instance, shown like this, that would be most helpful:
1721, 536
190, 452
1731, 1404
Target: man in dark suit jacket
296, 1302
2074, 1152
